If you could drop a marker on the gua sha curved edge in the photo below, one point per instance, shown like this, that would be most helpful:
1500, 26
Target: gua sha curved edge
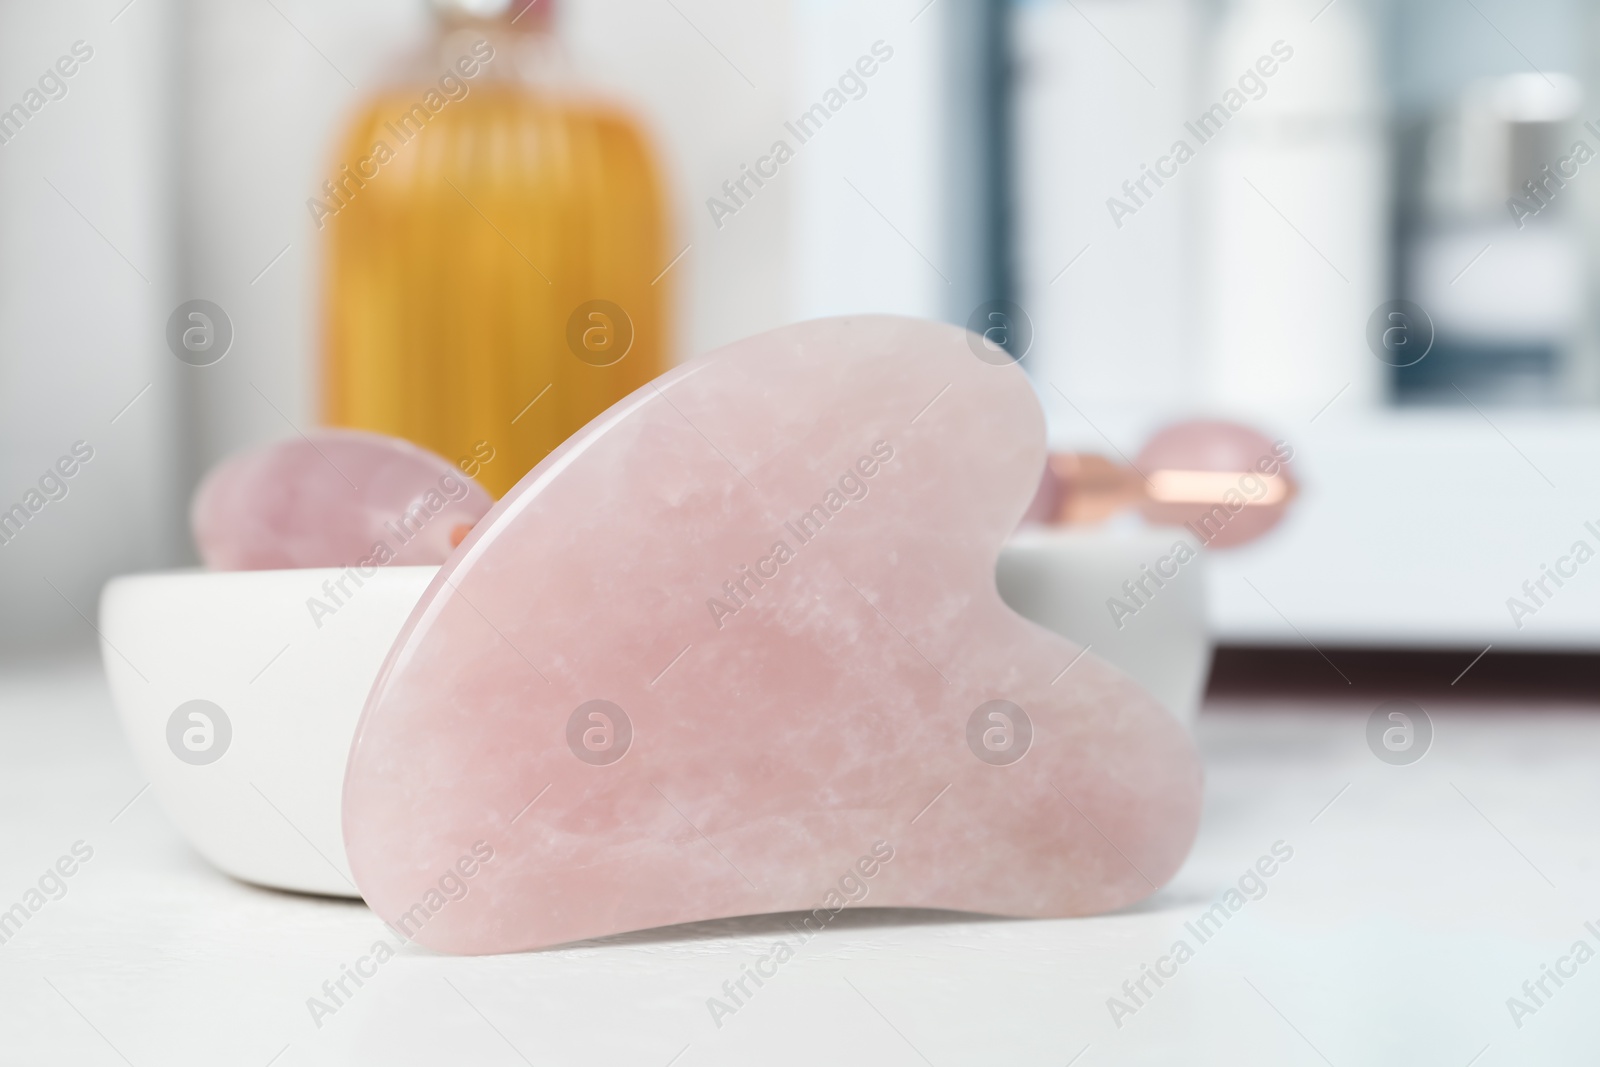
739, 633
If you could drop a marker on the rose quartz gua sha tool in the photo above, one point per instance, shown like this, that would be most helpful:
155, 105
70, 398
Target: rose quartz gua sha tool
736, 647
333, 498
1225, 482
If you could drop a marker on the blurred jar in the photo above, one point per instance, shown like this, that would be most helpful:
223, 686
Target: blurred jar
495, 241
1295, 210
1494, 253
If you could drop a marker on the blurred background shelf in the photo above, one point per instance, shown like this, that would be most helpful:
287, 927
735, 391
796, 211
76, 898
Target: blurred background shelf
977, 163
1413, 528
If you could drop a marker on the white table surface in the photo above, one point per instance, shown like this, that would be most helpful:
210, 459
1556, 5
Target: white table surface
1415, 904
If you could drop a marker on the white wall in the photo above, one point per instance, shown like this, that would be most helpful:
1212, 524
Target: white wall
86, 283
1104, 86
267, 90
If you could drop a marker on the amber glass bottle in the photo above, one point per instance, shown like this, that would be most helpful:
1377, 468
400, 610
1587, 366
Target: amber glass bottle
495, 242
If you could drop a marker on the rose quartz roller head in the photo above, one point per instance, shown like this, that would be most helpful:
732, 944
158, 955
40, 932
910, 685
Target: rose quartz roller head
1226, 482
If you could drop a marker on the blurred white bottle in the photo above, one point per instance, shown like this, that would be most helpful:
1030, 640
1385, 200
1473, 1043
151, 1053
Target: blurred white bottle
1295, 213
1103, 88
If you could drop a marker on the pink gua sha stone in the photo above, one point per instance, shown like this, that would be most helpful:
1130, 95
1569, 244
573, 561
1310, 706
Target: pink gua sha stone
774, 570
328, 499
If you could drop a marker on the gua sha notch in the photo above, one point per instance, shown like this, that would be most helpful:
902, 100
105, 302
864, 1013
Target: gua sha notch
333, 498
741, 632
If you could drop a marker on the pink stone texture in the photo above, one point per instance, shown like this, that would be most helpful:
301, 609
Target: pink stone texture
736, 648
333, 498
1214, 445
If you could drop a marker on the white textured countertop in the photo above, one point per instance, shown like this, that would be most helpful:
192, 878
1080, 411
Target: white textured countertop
1417, 900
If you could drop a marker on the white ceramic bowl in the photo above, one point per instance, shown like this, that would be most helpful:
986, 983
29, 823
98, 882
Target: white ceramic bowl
255, 781
1066, 580
267, 809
